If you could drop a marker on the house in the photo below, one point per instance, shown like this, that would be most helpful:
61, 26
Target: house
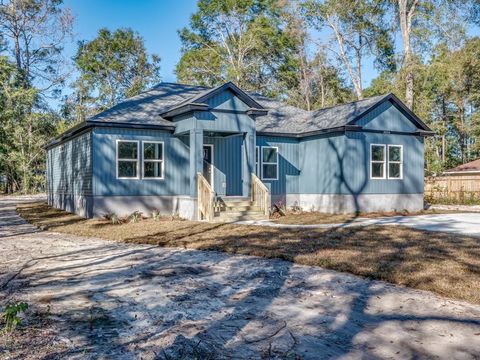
459, 185
471, 168
223, 154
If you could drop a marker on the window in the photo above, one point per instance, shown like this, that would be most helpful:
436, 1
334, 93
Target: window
269, 163
153, 160
127, 159
377, 161
395, 161
257, 161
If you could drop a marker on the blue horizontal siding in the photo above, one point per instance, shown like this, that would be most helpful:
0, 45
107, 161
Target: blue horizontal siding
69, 167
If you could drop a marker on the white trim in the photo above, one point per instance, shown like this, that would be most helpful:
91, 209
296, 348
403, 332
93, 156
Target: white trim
127, 160
212, 174
461, 172
257, 161
377, 161
395, 162
158, 161
270, 163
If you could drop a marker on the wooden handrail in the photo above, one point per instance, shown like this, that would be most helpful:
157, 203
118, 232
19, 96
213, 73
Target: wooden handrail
260, 195
206, 198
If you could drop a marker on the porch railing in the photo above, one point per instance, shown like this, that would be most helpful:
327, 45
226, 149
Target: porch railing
260, 195
206, 198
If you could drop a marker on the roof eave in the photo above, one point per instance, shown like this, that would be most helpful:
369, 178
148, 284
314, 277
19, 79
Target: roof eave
184, 109
70, 133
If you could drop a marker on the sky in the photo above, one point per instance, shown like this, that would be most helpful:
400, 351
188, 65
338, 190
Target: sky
157, 21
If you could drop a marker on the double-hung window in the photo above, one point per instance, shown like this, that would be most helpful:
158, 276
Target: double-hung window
386, 161
269, 163
153, 160
395, 161
377, 161
127, 159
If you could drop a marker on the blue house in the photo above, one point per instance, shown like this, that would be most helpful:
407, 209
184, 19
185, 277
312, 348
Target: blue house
224, 154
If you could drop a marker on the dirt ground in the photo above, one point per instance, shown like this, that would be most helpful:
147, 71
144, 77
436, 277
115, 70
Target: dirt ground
444, 262
91, 298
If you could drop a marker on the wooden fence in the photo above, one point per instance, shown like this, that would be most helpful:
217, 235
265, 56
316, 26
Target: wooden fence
454, 189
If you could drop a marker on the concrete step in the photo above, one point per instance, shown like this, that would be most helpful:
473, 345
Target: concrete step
236, 208
239, 216
233, 203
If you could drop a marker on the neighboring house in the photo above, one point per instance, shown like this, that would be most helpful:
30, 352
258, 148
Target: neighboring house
194, 151
459, 185
468, 169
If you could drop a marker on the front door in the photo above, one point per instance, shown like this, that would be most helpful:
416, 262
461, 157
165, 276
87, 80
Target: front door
208, 163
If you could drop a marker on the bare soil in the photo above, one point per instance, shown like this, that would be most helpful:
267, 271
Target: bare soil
102, 299
448, 264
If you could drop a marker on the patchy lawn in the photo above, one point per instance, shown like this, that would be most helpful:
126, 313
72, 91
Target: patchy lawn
447, 264
315, 217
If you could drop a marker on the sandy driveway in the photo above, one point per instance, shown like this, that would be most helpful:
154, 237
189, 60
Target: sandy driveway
103, 299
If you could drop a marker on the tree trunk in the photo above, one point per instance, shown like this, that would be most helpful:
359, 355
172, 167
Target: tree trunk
406, 13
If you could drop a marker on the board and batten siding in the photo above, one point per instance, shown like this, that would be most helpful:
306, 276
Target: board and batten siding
288, 164
341, 165
227, 159
69, 167
176, 164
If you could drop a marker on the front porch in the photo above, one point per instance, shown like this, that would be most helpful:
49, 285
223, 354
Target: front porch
222, 169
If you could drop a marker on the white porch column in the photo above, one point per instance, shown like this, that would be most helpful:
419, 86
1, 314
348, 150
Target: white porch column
249, 163
196, 158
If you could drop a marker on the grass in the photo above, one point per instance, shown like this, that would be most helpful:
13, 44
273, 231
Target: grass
314, 217
447, 264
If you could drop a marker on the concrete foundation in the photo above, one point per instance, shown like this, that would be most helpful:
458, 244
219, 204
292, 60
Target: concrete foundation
333, 203
98, 206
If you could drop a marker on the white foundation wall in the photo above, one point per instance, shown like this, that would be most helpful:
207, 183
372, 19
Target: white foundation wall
333, 203
184, 206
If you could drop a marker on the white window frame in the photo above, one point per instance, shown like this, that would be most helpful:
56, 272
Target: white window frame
212, 174
257, 160
160, 161
117, 159
270, 163
378, 161
395, 162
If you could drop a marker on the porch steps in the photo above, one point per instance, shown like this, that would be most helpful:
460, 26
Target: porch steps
236, 209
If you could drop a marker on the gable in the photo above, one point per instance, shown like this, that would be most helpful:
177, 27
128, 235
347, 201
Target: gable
227, 100
387, 117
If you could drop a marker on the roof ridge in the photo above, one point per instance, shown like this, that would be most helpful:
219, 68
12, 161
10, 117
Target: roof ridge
351, 102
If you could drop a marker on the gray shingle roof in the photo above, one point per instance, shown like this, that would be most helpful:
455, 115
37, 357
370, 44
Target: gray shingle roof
282, 118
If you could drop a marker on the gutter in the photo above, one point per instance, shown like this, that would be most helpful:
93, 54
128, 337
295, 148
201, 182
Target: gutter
88, 125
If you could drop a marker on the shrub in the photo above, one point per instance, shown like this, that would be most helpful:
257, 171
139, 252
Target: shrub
10, 315
135, 217
156, 215
113, 218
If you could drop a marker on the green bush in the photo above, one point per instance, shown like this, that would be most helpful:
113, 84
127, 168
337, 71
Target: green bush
10, 315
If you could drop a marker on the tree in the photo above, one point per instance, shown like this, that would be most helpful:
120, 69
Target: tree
113, 66
358, 30
35, 31
22, 132
241, 41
